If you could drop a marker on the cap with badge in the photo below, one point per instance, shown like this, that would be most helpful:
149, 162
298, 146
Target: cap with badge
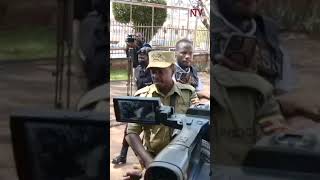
144, 50
161, 59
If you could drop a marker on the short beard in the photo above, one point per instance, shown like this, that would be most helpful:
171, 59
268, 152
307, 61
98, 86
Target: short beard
182, 65
165, 87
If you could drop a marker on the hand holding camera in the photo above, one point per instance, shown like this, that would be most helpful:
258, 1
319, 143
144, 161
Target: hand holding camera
130, 40
134, 41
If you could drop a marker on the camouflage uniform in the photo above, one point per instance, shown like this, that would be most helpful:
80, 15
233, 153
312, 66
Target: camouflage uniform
241, 100
192, 72
156, 137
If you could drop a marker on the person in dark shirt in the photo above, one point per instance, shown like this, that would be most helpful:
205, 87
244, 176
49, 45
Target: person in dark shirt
143, 79
186, 73
143, 75
93, 44
137, 43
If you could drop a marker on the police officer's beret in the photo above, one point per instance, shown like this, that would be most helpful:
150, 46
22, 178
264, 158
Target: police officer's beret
161, 59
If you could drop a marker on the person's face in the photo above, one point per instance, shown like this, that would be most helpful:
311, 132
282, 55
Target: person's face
139, 38
245, 8
143, 58
184, 54
162, 77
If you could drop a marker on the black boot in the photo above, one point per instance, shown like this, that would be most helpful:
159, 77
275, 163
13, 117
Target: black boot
122, 158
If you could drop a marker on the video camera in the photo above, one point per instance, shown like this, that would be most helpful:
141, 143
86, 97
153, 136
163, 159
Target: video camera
187, 155
130, 38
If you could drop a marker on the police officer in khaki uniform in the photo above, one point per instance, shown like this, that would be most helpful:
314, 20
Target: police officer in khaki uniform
181, 96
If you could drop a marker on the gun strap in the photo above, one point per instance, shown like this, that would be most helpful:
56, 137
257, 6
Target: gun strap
173, 98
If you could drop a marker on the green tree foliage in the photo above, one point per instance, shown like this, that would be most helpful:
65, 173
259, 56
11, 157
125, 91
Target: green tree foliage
141, 16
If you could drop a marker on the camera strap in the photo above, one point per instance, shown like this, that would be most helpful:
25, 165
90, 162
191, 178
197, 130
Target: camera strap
173, 99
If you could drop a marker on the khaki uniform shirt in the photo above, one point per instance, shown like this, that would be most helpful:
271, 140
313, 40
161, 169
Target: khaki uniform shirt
156, 137
241, 100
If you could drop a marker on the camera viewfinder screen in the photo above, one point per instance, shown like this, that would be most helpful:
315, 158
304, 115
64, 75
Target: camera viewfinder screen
137, 111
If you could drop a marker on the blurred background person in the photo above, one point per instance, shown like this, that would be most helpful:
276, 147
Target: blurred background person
142, 74
142, 79
186, 73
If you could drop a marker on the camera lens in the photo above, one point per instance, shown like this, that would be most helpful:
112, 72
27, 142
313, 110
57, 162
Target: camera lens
160, 173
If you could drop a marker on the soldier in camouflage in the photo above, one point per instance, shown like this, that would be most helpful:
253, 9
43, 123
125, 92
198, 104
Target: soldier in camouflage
273, 64
244, 106
243, 100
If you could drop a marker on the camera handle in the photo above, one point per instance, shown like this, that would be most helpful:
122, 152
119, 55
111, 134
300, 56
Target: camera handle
130, 72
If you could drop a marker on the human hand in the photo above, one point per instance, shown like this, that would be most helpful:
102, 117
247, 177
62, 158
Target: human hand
270, 126
195, 101
133, 175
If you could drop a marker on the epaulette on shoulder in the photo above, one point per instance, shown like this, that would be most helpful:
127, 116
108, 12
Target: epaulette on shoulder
185, 86
142, 90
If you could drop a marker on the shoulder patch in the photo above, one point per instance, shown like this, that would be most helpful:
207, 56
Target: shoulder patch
142, 90
185, 86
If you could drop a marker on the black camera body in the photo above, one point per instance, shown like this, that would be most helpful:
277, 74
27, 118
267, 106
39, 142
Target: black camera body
184, 158
130, 38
